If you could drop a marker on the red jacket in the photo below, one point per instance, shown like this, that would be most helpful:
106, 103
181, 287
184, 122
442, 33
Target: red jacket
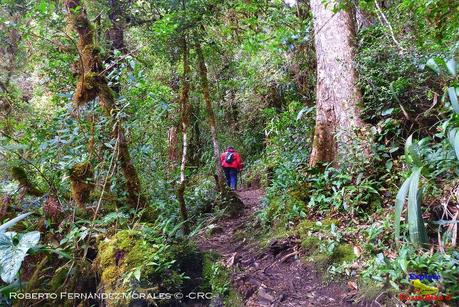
237, 162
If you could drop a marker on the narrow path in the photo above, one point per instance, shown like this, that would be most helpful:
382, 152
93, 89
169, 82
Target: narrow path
274, 276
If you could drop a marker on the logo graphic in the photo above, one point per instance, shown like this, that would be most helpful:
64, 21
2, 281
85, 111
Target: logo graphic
423, 289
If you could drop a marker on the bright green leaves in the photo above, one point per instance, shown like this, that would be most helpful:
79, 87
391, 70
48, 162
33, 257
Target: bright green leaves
432, 64
410, 189
415, 223
439, 65
412, 152
416, 227
399, 202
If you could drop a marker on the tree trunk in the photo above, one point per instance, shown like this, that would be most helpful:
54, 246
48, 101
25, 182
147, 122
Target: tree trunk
115, 37
338, 96
115, 34
210, 115
185, 118
172, 132
92, 84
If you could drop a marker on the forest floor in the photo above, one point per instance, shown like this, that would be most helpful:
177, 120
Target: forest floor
275, 275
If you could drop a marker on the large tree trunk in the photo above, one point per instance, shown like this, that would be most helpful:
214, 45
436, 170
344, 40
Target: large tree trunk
91, 84
210, 115
338, 96
185, 119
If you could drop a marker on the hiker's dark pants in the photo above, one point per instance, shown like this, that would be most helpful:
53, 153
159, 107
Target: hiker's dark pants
231, 177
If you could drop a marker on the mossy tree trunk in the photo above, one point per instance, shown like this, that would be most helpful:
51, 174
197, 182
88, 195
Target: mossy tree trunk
185, 119
337, 114
91, 84
210, 115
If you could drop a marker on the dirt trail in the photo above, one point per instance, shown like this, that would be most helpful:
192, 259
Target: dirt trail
275, 276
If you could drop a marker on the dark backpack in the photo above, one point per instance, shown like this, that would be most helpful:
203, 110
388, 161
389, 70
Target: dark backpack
229, 158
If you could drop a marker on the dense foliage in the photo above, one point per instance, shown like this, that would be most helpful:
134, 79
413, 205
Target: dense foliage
61, 160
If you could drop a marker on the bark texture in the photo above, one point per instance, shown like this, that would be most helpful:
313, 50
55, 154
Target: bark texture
185, 119
92, 84
210, 115
337, 115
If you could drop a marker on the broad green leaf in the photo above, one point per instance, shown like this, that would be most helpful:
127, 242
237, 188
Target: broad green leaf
453, 99
399, 201
412, 153
453, 137
408, 143
451, 65
12, 254
433, 65
415, 223
137, 274
403, 264
42, 6
393, 284
387, 112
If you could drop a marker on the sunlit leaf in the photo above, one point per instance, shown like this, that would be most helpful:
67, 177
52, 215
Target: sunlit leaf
399, 201
415, 222
453, 99
451, 65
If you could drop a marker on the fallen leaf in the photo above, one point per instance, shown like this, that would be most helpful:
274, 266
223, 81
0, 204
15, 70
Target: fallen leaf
357, 250
352, 285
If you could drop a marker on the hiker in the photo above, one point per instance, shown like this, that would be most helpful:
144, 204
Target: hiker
232, 164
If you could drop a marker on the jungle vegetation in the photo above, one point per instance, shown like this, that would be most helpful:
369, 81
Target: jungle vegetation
114, 113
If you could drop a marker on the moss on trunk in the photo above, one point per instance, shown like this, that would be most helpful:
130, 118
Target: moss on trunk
81, 176
21, 176
91, 84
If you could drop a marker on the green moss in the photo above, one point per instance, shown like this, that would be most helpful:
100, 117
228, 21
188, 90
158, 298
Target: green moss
321, 261
301, 193
149, 214
21, 176
106, 254
314, 226
233, 299
343, 253
58, 279
310, 245
277, 233
218, 279
370, 290
120, 254
110, 275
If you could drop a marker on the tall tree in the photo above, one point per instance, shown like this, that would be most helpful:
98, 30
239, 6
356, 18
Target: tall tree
91, 84
210, 114
185, 119
338, 96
